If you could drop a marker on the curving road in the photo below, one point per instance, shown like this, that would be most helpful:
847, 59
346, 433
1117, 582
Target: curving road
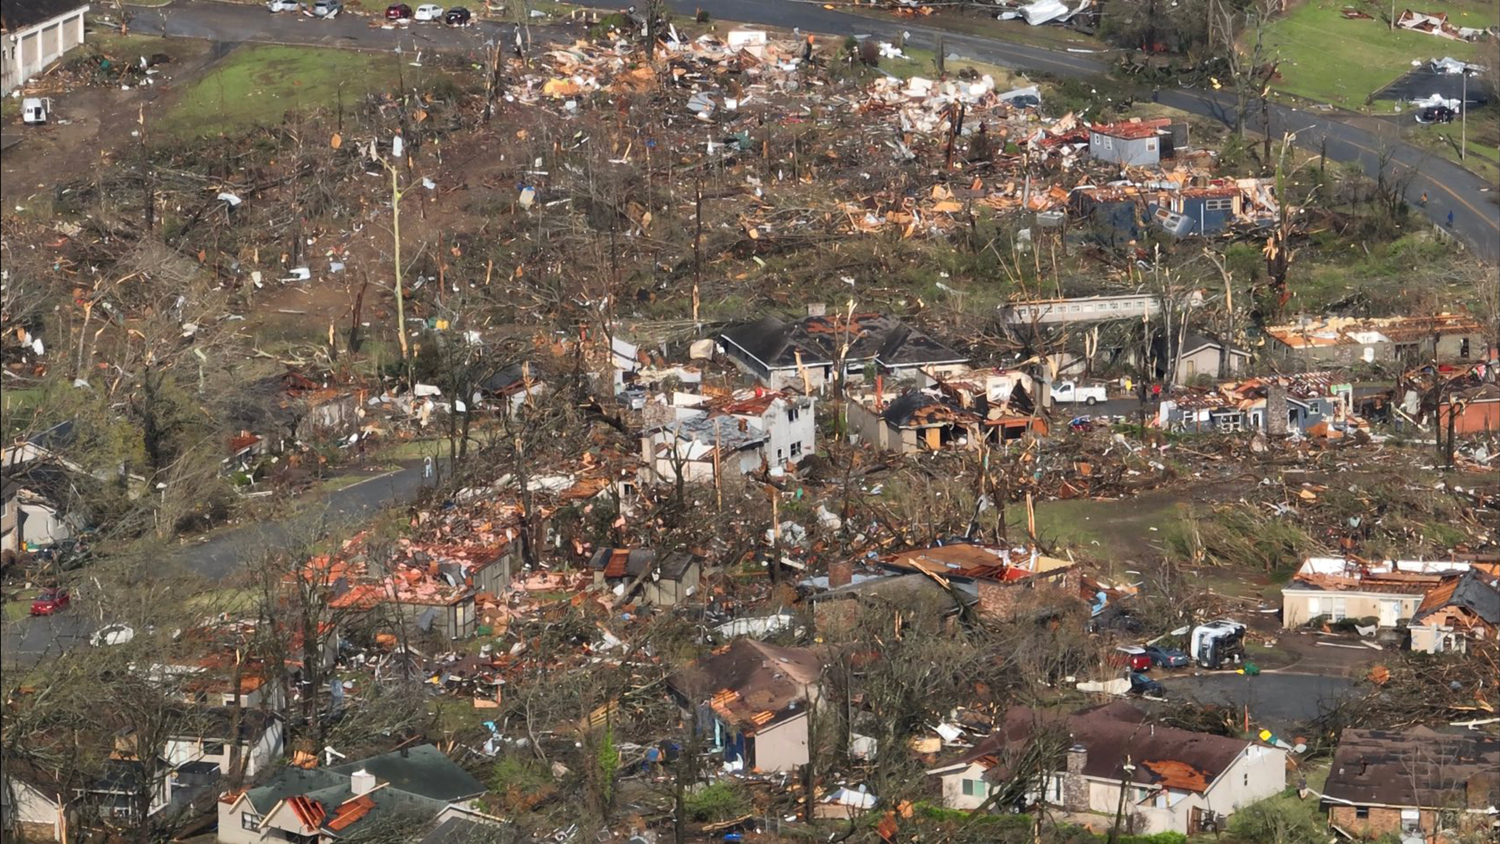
1449, 188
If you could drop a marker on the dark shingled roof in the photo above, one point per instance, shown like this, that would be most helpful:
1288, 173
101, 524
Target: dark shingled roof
1419, 767
762, 680
19, 14
1471, 591
622, 562
1114, 731
775, 343
422, 774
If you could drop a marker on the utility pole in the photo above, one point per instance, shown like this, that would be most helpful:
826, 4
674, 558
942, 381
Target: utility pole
1463, 119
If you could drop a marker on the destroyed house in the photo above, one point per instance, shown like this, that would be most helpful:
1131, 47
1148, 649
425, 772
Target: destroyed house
1461, 609
1213, 208
999, 582
1475, 410
701, 448
1405, 341
662, 583
1386, 592
1274, 405
1167, 779
345, 801
753, 701
1418, 783
1125, 306
210, 734
785, 417
1134, 143
918, 599
949, 415
803, 354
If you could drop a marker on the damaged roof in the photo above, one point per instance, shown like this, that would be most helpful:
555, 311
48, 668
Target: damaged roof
1345, 331
1419, 767
1116, 733
1471, 591
774, 343
627, 562
751, 683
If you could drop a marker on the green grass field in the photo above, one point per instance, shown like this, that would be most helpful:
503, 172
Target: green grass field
258, 85
1328, 58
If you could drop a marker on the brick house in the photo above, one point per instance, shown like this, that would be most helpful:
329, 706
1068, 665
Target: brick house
1418, 783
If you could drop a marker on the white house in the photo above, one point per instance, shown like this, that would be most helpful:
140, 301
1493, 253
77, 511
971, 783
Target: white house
36, 33
786, 419
324, 804
1174, 780
1387, 591
207, 739
737, 436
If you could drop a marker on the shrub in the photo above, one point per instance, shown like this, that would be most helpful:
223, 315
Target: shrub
717, 801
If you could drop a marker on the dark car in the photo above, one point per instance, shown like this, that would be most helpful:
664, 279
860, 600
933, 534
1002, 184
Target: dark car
457, 16
1140, 684
50, 601
398, 12
1436, 114
1167, 657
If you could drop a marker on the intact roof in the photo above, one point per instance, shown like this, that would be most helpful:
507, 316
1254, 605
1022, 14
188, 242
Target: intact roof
1471, 591
1419, 767
19, 14
872, 337
751, 683
625, 562
1114, 734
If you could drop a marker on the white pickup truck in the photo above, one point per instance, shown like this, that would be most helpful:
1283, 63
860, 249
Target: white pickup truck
1069, 392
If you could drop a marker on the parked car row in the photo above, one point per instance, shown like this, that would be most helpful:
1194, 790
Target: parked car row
456, 16
1152, 656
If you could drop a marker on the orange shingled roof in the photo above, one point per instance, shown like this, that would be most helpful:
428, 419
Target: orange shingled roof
351, 811
1175, 774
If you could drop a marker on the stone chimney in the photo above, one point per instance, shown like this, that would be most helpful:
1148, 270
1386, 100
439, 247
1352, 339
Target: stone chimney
1075, 787
361, 782
1276, 421
840, 573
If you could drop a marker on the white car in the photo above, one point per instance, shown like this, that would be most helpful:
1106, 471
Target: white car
428, 12
282, 5
113, 634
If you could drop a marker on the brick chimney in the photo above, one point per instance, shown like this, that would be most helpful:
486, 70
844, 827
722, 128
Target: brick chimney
840, 573
1075, 787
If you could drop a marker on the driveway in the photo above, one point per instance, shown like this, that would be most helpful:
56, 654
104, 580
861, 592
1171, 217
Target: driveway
1281, 702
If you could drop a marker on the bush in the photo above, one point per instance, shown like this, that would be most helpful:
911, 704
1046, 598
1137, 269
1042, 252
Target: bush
869, 53
718, 801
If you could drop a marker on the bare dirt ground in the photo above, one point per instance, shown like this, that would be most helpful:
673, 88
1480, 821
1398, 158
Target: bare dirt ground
93, 123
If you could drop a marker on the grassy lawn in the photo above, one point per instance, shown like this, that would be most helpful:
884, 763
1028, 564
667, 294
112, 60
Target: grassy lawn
1328, 58
260, 84
232, 599
403, 450
1443, 140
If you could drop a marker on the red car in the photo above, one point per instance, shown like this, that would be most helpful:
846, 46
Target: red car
1135, 658
398, 12
50, 601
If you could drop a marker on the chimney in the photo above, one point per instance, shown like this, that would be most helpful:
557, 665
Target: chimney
1075, 787
879, 392
361, 782
840, 573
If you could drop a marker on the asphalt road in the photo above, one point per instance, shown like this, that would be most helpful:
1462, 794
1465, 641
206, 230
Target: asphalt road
30, 639
1278, 701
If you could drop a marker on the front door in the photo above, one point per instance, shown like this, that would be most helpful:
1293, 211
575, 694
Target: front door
1390, 611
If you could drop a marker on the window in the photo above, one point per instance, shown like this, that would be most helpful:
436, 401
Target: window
1463, 348
975, 788
1362, 812
1340, 610
249, 820
796, 449
1150, 145
791, 415
213, 748
779, 455
1222, 203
